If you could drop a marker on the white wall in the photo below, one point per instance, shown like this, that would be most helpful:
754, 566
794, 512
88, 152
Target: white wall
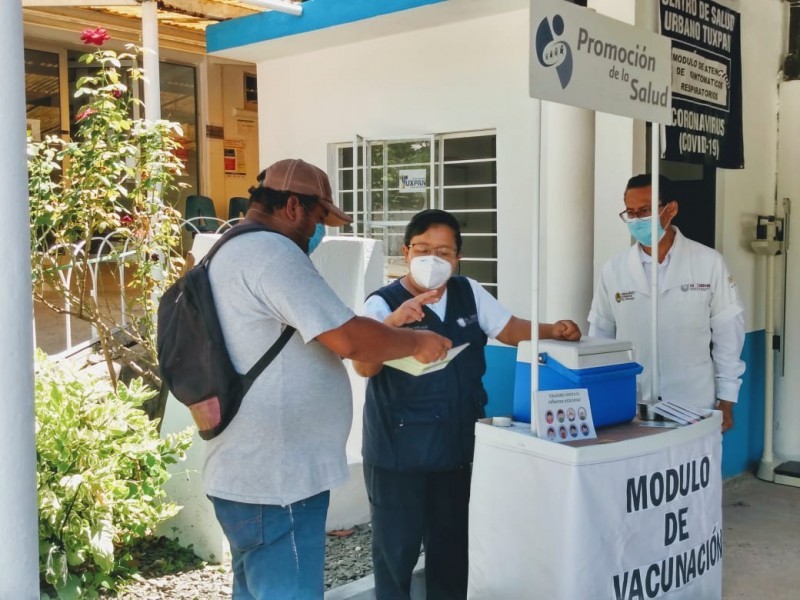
465, 76
744, 193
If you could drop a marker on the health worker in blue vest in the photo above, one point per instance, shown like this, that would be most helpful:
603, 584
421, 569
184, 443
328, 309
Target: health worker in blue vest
418, 436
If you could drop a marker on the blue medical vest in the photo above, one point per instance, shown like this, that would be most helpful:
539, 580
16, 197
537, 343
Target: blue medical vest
427, 423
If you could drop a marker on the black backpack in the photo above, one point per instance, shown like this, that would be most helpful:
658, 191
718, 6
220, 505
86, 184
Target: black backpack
192, 355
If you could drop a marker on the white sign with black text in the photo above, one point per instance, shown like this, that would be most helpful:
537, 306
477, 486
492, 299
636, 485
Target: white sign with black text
413, 180
634, 518
580, 58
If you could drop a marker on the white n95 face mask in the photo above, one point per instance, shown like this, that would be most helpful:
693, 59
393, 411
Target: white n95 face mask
431, 272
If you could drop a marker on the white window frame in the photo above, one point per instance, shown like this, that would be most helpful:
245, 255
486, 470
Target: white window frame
436, 190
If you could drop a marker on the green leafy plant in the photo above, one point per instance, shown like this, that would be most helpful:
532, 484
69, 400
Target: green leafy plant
110, 179
101, 470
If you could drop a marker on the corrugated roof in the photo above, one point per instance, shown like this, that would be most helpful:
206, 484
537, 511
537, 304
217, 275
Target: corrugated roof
187, 15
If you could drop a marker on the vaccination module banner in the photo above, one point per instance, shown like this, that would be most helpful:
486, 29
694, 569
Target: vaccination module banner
706, 83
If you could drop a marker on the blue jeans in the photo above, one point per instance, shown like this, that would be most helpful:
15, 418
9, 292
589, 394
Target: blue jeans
277, 551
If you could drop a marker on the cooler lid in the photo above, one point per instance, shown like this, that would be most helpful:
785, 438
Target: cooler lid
569, 353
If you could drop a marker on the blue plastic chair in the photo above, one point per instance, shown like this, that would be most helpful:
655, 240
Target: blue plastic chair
237, 208
200, 215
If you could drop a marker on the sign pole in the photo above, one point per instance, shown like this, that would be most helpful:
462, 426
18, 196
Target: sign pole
655, 155
537, 203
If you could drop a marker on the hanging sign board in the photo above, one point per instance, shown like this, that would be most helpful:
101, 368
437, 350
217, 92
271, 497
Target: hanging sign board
707, 83
580, 58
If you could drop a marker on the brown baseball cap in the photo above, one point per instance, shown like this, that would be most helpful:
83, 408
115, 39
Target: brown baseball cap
298, 176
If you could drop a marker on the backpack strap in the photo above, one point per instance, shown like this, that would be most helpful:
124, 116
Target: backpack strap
273, 351
236, 230
269, 355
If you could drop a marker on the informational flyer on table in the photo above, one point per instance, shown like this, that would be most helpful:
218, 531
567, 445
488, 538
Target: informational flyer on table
564, 415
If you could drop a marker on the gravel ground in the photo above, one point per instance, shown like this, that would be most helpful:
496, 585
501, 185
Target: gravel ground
347, 558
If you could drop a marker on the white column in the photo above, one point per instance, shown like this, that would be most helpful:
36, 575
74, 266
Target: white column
152, 85
19, 557
567, 227
787, 382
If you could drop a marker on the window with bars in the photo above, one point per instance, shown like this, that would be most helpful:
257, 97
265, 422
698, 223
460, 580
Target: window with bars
388, 181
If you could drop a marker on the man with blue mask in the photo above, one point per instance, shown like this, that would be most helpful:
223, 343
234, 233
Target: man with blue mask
316, 239
698, 307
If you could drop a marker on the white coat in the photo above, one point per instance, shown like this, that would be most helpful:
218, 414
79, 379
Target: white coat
697, 294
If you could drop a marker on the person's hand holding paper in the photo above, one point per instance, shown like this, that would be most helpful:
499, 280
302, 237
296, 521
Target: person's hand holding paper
412, 366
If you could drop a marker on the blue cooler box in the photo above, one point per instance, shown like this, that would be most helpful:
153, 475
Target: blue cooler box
604, 367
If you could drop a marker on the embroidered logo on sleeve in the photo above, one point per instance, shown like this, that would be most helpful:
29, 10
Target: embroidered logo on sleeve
623, 296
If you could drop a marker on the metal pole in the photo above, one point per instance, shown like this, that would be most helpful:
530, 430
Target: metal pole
152, 81
655, 156
19, 556
535, 231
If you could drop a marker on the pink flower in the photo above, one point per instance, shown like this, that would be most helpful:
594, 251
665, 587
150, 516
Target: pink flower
116, 93
95, 36
87, 112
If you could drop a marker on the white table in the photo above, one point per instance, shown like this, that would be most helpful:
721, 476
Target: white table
600, 520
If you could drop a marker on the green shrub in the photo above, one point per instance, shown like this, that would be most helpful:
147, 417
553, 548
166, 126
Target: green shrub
101, 470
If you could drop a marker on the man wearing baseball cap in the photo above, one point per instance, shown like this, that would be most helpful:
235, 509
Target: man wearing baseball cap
269, 473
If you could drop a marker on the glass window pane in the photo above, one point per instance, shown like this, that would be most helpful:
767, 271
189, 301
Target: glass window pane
377, 205
480, 173
477, 222
376, 175
376, 154
179, 103
407, 203
483, 271
469, 148
42, 99
470, 198
479, 247
345, 157
403, 153
346, 201
346, 179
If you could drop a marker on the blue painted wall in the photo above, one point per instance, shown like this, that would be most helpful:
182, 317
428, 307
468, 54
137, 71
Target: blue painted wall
741, 446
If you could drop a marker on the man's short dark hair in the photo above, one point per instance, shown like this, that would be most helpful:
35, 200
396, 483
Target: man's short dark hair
423, 220
666, 193
270, 200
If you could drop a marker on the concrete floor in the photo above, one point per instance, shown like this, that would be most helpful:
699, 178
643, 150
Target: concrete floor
761, 540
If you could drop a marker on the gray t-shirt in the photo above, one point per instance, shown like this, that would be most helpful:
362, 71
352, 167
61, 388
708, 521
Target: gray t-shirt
287, 441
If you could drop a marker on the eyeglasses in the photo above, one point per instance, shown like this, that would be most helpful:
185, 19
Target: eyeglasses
642, 213
427, 250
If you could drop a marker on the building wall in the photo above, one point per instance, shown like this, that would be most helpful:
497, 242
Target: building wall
467, 76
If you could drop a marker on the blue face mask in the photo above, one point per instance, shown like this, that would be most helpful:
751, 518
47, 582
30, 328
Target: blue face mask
641, 231
314, 240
